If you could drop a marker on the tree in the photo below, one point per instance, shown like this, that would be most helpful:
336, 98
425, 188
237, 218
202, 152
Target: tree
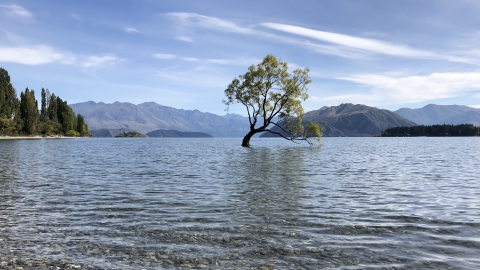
29, 111
273, 97
44, 105
66, 116
82, 127
8, 104
52, 108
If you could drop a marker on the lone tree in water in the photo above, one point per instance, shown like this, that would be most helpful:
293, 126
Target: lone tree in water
273, 97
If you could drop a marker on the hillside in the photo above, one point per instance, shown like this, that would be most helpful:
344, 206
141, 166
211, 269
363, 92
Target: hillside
149, 116
353, 120
432, 114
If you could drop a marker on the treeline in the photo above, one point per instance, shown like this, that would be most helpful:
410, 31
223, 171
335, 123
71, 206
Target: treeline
433, 130
22, 116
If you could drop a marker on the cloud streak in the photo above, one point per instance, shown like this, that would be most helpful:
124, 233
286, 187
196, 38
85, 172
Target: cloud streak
17, 11
183, 38
131, 30
164, 56
341, 45
99, 61
233, 62
35, 55
412, 89
357, 47
40, 55
201, 21
365, 44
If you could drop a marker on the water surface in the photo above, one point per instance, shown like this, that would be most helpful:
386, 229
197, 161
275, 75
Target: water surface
355, 203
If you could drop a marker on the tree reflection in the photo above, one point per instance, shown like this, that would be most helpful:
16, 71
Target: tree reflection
269, 184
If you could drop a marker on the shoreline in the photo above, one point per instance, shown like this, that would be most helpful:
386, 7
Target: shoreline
32, 137
20, 138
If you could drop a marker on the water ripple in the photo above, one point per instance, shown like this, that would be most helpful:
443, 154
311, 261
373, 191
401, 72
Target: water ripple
355, 203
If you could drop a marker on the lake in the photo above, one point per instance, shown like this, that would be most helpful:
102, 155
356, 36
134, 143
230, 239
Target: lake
159, 203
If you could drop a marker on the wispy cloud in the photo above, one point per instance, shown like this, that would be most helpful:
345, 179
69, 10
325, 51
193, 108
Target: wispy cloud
131, 30
170, 68
411, 89
190, 59
35, 55
197, 20
99, 61
16, 11
164, 56
330, 49
365, 44
74, 16
359, 47
216, 61
233, 62
183, 38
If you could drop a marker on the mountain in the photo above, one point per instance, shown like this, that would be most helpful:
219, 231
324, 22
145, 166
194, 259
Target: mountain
352, 120
432, 114
470, 117
150, 116
169, 133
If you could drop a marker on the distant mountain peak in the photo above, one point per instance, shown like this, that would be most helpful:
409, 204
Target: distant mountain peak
354, 120
433, 114
150, 116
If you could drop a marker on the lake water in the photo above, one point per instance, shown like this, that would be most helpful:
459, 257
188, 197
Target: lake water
354, 203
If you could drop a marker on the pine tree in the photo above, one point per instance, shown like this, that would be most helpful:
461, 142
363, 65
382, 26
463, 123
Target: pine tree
52, 108
81, 125
8, 105
29, 111
44, 106
8, 96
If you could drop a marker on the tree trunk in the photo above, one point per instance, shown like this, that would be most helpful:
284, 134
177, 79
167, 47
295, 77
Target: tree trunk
246, 139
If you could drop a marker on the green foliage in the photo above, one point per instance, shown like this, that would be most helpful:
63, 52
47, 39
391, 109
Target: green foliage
9, 105
52, 108
82, 127
44, 105
7, 127
268, 91
66, 116
8, 96
434, 130
72, 133
22, 117
29, 111
50, 128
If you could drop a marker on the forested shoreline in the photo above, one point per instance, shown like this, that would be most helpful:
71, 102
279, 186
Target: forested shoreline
22, 116
432, 131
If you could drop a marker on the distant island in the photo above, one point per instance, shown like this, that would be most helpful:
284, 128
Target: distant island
130, 134
432, 131
109, 133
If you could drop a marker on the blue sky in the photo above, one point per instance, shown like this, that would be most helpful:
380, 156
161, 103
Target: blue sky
183, 54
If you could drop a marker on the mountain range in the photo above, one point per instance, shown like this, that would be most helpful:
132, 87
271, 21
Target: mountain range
352, 120
432, 114
343, 120
151, 116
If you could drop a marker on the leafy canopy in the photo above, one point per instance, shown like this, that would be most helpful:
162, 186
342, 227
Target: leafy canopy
271, 95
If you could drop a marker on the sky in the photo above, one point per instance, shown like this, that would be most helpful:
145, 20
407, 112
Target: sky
183, 54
